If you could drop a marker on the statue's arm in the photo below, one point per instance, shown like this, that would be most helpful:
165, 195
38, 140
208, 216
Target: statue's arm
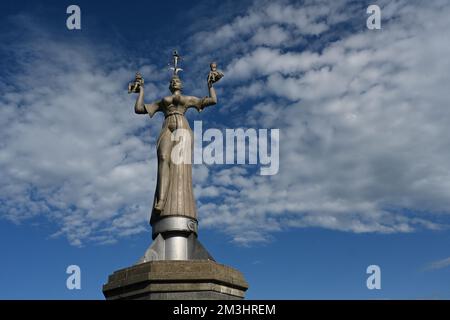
201, 103
152, 108
141, 108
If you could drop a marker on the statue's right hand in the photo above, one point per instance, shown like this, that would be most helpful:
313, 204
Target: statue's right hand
139, 80
135, 87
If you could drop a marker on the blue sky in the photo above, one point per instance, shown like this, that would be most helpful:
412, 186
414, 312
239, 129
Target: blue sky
363, 117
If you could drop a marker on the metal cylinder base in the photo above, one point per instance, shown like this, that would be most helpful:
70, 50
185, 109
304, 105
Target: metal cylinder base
174, 224
175, 238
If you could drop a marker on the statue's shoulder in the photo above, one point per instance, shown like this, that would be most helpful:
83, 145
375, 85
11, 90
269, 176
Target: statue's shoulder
189, 99
167, 100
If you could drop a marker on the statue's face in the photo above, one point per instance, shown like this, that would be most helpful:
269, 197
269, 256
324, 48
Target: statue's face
175, 84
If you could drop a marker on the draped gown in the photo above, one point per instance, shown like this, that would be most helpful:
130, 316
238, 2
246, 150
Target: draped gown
179, 200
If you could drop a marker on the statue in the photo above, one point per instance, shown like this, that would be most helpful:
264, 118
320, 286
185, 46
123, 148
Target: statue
176, 265
174, 197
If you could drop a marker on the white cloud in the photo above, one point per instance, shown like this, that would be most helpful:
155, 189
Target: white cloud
284, 19
364, 137
363, 123
439, 264
273, 36
69, 144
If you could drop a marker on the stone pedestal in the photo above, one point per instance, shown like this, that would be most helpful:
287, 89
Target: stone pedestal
176, 279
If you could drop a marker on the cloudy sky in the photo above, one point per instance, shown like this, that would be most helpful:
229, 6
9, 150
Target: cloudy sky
363, 116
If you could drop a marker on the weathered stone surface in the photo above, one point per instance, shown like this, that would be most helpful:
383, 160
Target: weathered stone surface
169, 279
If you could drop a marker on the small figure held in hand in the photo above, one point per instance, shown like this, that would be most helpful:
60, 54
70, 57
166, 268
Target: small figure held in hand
135, 87
214, 75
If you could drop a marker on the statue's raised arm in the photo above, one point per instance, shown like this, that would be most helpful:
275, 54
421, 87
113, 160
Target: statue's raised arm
201, 103
140, 107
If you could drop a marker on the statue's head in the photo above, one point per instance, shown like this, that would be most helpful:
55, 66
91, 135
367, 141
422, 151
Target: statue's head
175, 84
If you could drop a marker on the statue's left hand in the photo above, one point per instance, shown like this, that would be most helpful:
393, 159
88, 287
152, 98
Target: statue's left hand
213, 77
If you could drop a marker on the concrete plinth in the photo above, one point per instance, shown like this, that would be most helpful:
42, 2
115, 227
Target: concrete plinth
175, 279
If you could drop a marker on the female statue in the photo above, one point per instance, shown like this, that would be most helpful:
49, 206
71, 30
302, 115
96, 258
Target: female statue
174, 193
